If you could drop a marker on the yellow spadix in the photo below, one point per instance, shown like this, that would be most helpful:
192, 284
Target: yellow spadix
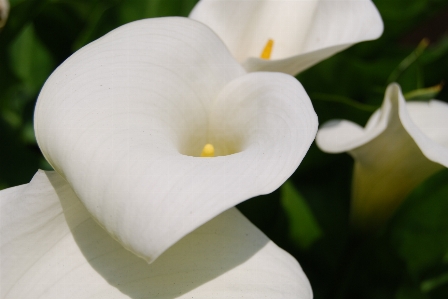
266, 53
208, 151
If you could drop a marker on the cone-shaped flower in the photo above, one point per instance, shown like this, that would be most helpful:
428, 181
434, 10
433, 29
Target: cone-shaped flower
288, 36
402, 144
125, 120
52, 248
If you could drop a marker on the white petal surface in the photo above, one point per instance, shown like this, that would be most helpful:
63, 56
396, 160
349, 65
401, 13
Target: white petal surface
304, 31
121, 119
427, 123
401, 145
338, 136
431, 118
51, 248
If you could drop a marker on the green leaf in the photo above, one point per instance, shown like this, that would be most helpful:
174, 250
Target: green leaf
303, 227
423, 94
431, 284
30, 60
419, 231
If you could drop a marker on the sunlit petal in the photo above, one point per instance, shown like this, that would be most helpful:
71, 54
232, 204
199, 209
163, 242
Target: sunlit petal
125, 119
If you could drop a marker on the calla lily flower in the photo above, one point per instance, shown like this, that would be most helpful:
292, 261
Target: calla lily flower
288, 36
124, 123
52, 248
402, 144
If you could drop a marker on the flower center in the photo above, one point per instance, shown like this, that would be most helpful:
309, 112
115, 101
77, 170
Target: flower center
208, 151
266, 53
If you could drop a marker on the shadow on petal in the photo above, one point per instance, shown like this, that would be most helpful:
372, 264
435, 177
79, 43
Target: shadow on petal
215, 248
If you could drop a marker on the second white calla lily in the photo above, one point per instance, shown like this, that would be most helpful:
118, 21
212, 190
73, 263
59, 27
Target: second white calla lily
401, 145
124, 121
288, 35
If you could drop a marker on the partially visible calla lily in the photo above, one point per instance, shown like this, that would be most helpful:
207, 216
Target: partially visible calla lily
4, 12
401, 145
52, 248
125, 119
288, 36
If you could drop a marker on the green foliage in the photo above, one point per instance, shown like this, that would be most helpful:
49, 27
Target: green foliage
30, 60
303, 227
423, 93
419, 231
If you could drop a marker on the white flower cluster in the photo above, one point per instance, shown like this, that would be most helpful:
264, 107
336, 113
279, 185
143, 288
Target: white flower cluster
132, 210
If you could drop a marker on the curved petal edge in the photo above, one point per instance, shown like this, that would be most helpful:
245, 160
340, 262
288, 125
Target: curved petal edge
52, 248
124, 121
401, 145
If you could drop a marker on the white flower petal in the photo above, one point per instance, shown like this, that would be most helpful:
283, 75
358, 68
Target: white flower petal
338, 136
401, 145
51, 248
121, 119
304, 32
427, 123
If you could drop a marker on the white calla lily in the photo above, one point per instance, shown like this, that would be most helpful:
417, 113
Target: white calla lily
288, 35
52, 248
402, 144
124, 121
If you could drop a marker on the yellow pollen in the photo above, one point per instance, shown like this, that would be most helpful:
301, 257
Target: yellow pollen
266, 54
208, 151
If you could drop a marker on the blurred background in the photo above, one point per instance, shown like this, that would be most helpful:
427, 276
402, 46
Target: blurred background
309, 215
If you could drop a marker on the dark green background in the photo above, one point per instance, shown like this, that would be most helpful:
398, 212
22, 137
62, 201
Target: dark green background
308, 216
